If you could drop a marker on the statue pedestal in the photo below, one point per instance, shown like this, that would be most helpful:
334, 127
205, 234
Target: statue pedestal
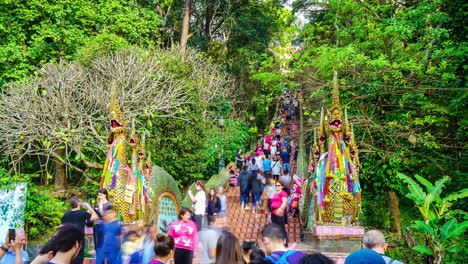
335, 241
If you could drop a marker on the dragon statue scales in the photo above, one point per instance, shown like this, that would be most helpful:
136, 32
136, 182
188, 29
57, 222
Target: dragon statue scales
335, 164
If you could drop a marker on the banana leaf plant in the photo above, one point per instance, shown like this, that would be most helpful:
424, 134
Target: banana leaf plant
442, 231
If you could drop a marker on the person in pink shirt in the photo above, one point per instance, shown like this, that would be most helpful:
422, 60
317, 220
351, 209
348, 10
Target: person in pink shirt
278, 206
185, 237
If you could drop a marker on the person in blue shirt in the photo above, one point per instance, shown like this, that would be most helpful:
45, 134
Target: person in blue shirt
111, 248
375, 240
267, 168
12, 252
285, 157
274, 244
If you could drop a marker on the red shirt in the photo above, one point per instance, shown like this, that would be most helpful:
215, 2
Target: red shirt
277, 200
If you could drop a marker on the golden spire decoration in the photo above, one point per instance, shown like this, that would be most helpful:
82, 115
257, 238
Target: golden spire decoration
336, 92
133, 145
335, 120
141, 154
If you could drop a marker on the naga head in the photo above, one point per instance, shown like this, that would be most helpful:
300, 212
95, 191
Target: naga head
335, 124
117, 123
316, 152
142, 151
347, 137
110, 139
132, 141
141, 154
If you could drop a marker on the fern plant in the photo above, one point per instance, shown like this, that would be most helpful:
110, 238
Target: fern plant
441, 229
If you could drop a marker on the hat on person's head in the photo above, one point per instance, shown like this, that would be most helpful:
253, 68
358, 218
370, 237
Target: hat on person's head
364, 256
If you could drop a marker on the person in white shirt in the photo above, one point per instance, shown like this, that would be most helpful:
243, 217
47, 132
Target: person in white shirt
275, 168
259, 162
200, 203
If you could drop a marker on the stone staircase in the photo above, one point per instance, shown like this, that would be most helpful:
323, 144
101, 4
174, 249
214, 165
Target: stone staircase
247, 226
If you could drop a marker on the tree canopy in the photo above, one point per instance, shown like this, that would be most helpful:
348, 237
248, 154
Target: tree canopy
401, 64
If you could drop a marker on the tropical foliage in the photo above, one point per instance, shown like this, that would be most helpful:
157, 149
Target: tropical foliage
401, 66
443, 228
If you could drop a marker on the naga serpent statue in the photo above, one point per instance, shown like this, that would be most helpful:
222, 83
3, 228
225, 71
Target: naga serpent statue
127, 185
335, 164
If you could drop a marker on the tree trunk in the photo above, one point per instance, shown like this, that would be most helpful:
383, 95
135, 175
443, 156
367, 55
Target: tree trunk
185, 26
209, 18
60, 173
394, 211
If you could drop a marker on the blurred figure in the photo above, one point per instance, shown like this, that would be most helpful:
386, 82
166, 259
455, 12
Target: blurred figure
228, 250
296, 194
46, 253
130, 246
270, 191
256, 190
67, 243
79, 218
163, 249
12, 252
257, 255
101, 208
233, 176
316, 259
111, 248
222, 215
185, 237
148, 244
207, 239
247, 248
273, 243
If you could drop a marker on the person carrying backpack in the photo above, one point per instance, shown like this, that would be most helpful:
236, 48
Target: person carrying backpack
274, 245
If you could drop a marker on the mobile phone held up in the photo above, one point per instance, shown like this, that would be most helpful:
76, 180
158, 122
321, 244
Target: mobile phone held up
11, 234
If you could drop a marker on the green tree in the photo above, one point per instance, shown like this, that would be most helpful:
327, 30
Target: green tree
39, 31
402, 80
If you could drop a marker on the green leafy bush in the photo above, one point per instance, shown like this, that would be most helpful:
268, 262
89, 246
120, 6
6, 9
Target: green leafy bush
43, 212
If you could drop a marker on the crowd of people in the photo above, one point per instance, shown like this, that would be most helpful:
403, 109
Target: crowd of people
267, 170
185, 245
201, 234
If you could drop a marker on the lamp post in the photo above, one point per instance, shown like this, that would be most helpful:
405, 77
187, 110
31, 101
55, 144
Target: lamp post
221, 123
252, 120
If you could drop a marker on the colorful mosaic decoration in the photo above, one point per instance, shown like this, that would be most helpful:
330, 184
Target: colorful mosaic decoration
334, 164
